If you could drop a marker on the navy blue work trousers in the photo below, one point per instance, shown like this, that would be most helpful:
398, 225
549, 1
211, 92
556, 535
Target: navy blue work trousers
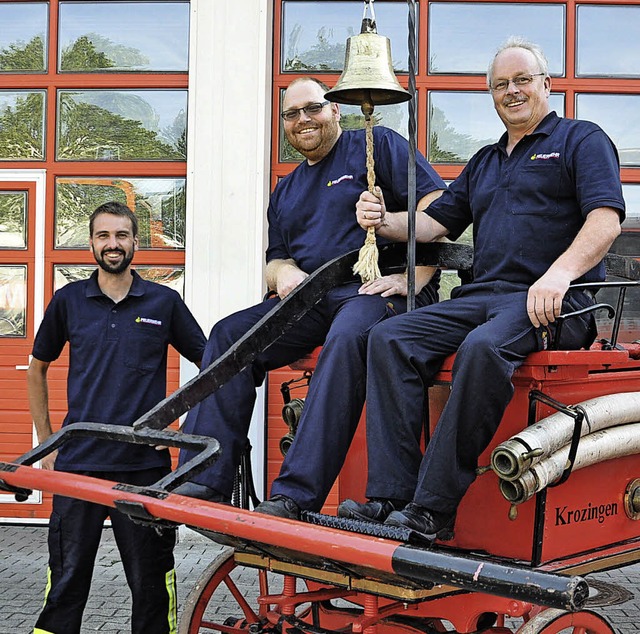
340, 323
491, 333
75, 530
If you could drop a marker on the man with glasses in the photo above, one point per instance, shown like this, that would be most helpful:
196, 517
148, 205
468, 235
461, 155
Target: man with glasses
312, 220
546, 204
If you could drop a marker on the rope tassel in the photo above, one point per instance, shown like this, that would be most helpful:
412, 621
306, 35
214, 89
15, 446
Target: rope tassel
367, 265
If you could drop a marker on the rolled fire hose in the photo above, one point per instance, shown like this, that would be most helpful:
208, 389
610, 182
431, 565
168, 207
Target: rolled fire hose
511, 459
605, 444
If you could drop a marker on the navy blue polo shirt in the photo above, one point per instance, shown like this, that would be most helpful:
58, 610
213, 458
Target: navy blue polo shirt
311, 213
117, 363
528, 207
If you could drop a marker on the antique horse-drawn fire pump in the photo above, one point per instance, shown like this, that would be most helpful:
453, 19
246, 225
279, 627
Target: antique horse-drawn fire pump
559, 499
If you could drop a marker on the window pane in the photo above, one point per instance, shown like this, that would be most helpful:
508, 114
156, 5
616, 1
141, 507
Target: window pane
122, 125
159, 204
460, 123
395, 116
22, 125
13, 220
124, 36
452, 50
619, 117
64, 274
171, 276
619, 27
631, 194
314, 34
13, 294
23, 37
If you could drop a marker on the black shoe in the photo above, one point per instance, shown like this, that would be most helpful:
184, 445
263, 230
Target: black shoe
201, 492
375, 510
426, 523
279, 506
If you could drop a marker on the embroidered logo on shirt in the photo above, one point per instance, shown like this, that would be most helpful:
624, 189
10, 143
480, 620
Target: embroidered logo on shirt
148, 320
346, 177
545, 157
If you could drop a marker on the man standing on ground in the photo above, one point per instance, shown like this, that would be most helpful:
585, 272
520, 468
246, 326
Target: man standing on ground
118, 327
311, 221
546, 204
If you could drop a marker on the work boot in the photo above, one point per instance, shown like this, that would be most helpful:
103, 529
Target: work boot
428, 524
201, 492
280, 506
375, 510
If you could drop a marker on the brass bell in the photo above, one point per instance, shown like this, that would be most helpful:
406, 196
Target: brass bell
368, 75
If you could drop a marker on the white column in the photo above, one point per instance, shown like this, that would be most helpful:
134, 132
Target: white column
228, 163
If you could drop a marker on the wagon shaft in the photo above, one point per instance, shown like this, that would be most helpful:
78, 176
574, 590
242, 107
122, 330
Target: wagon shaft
317, 547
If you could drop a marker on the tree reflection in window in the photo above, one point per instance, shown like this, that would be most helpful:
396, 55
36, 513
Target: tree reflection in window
121, 125
159, 204
93, 52
23, 37
323, 55
448, 144
22, 125
23, 57
315, 33
171, 276
123, 36
13, 290
13, 220
462, 122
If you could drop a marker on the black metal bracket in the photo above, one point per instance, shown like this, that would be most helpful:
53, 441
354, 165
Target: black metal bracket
287, 386
21, 494
555, 342
574, 411
207, 449
615, 314
137, 512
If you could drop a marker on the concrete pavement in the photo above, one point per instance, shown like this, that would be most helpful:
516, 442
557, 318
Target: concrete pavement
23, 561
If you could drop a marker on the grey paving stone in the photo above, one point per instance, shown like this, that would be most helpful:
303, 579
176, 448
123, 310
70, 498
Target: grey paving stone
23, 560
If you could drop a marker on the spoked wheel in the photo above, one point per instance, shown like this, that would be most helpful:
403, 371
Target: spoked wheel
235, 599
232, 612
555, 621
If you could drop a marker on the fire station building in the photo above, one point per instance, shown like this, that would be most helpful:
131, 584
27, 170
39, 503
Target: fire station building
172, 107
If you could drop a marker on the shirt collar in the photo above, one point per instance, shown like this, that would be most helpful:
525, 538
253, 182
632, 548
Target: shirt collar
137, 286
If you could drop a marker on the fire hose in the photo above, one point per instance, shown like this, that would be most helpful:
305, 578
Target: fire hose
605, 444
511, 459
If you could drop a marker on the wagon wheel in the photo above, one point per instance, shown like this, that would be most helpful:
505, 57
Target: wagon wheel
223, 596
554, 621
238, 614
226, 598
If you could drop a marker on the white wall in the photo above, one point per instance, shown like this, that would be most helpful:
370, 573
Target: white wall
228, 163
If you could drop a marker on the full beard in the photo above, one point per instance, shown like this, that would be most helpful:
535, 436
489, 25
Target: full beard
114, 268
316, 150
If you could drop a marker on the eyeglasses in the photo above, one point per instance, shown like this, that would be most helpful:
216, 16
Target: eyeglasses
519, 82
312, 109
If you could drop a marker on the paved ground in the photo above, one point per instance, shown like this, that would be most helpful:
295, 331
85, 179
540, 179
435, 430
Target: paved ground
23, 559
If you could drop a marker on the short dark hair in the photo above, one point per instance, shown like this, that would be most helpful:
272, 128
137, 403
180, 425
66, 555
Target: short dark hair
115, 209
